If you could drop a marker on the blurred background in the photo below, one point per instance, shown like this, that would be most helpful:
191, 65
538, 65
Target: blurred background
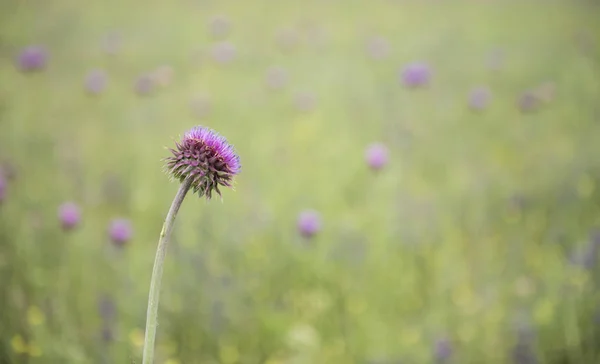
419, 185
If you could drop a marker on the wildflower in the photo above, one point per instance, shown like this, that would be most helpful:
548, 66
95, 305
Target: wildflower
144, 85
69, 215
416, 74
207, 158
479, 98
95, 82
309, 223
32, 58
376, 156
120, 231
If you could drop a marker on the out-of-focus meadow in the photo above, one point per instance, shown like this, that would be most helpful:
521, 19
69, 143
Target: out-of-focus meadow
475, 242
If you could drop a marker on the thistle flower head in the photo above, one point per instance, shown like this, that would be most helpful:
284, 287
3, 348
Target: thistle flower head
69, 215
377, 156
32, 58
207, 158
120, 231
309, 223
416, 74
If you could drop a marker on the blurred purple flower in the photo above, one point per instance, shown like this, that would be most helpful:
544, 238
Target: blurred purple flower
107, 334
69, 215
219, 27
377, 156
32, 58
305, 101
107, 308
120, 231
442, 350
144, 85
479, 98
528, 102
587, 255
2, 187
309, 223
416, 74
95, 82
277, 78
223, 52
201, 106
378, 47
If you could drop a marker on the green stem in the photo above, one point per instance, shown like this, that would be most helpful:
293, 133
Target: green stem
157, 272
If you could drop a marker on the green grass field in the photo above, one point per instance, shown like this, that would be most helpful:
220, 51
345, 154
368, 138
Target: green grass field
466, 234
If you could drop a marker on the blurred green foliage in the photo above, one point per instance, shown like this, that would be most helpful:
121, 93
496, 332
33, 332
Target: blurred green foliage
467, 234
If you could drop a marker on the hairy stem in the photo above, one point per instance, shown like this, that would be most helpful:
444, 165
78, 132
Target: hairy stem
157, 272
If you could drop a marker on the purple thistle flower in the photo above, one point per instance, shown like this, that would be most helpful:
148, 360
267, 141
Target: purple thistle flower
144, 85
377, 156
443, 350
95, 82
120, 231
219, 27
206, 157
378, 47
107, 308
32, 58
223, 52
479, 98
2, 187
107, 334
416, 74
69, 215
528, 102
277, 78
309, 223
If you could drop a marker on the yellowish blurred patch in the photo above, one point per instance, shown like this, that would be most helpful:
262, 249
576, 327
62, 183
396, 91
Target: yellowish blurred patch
306, 129
172, 361
410, 336
229, 354
18, 344
35, 316
136, 337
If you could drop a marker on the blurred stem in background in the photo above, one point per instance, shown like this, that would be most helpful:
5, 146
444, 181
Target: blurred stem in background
157, 272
